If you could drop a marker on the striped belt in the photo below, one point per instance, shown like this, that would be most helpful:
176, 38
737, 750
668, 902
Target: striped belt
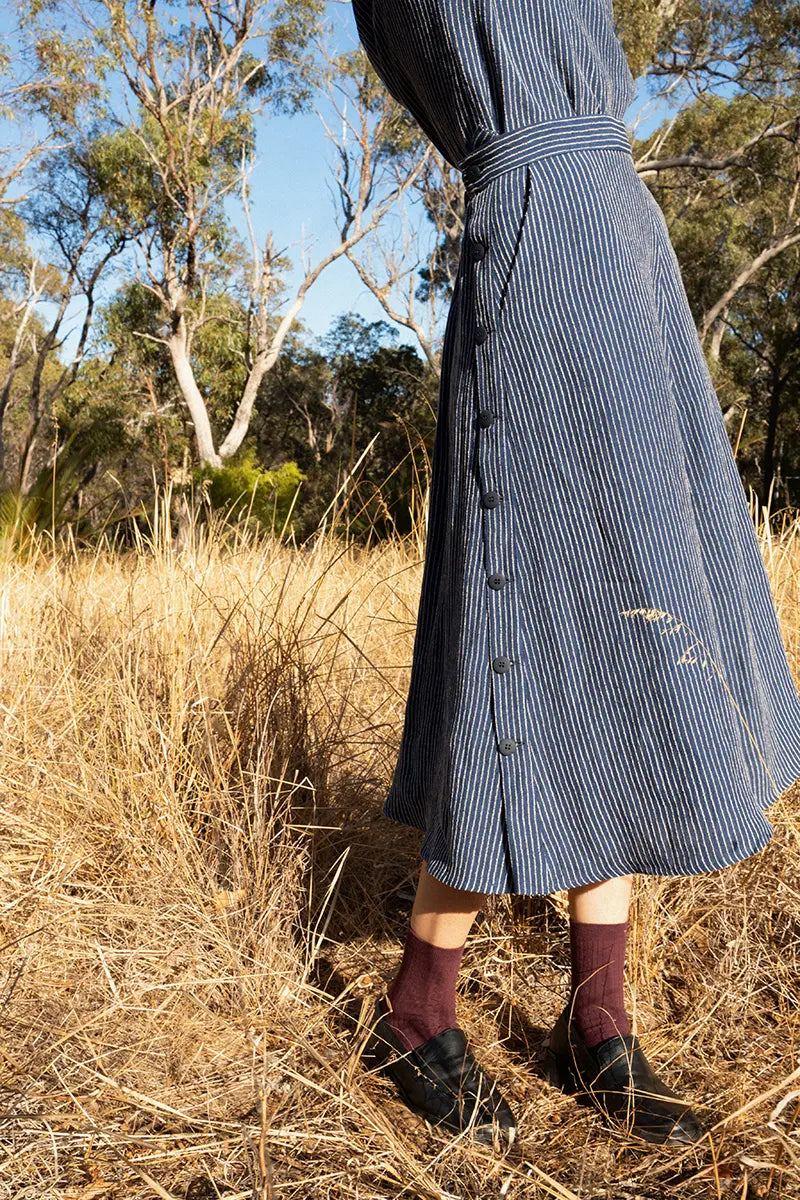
563, 135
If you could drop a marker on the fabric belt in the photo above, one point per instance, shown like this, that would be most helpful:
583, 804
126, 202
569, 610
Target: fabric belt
563, 135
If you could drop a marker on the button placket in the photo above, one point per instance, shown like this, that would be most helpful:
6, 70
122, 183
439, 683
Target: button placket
497, 516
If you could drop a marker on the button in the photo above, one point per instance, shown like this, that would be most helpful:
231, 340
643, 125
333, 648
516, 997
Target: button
481, 334
501, 664
491, 499
506, 746
486, 418
496, 580
478, 250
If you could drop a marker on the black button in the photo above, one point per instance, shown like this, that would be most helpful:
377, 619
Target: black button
491, 499
485, 418
478, 250
481, 334
506, 746
501, 664
496, 580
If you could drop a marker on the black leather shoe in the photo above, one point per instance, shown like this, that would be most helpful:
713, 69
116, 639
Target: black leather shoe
617, 1078
441, 1081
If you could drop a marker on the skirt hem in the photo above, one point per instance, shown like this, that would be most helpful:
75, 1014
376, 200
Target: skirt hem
628, 865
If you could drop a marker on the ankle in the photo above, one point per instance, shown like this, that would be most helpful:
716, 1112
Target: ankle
597, 993
422, 994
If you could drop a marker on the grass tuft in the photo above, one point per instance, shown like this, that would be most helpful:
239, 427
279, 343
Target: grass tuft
200, 898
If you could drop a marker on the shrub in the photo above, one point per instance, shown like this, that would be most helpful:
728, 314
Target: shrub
250, 493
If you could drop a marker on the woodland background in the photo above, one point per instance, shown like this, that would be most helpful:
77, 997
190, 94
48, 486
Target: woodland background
212, 528
152, 335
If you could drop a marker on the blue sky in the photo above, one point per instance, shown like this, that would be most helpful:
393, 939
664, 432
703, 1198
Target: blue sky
294, 164
291, 194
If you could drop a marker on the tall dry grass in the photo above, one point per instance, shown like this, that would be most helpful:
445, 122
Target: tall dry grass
200, 899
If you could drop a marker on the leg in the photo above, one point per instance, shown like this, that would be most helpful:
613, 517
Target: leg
591, 1048
443, 915
601, 903
417, 1036
423, 993
598, 932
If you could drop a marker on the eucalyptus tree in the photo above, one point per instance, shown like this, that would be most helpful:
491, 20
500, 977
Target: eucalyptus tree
409, 262
68, 209
724, 164
186, 86
724, 75
49, 86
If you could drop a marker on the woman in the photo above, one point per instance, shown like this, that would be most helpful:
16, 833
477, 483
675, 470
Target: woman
585, 503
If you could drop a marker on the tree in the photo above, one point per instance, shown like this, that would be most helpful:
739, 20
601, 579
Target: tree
725, 168
179, 149
411, 268
357, 414
68, 209
29, 370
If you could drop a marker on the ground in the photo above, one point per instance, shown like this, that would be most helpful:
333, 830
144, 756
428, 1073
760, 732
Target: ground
200, 899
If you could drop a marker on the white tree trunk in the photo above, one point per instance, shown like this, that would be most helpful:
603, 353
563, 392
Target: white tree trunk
193, 397
264, 362
244, 411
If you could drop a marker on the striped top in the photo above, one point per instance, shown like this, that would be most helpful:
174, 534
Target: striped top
477, 83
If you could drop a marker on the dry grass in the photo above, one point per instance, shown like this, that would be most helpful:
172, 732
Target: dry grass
200, 898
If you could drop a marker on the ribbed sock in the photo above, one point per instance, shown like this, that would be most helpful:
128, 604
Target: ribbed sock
597, 995
423, 992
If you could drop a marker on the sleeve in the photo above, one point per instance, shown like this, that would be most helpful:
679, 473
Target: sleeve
365, 18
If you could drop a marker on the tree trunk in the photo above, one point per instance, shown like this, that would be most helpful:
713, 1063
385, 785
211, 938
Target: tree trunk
26, 458
773, 413
193, 396
241, 421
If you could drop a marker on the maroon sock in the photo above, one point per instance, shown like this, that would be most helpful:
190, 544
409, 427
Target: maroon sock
423, 992
597, 997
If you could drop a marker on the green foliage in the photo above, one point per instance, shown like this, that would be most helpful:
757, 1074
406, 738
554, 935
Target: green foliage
14, 255
70, 69
722, 219
145, 200
130, 326
24, 519
323, 408
154, 114
96, 411
288, 70
751, 43
16, 418
247, 492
